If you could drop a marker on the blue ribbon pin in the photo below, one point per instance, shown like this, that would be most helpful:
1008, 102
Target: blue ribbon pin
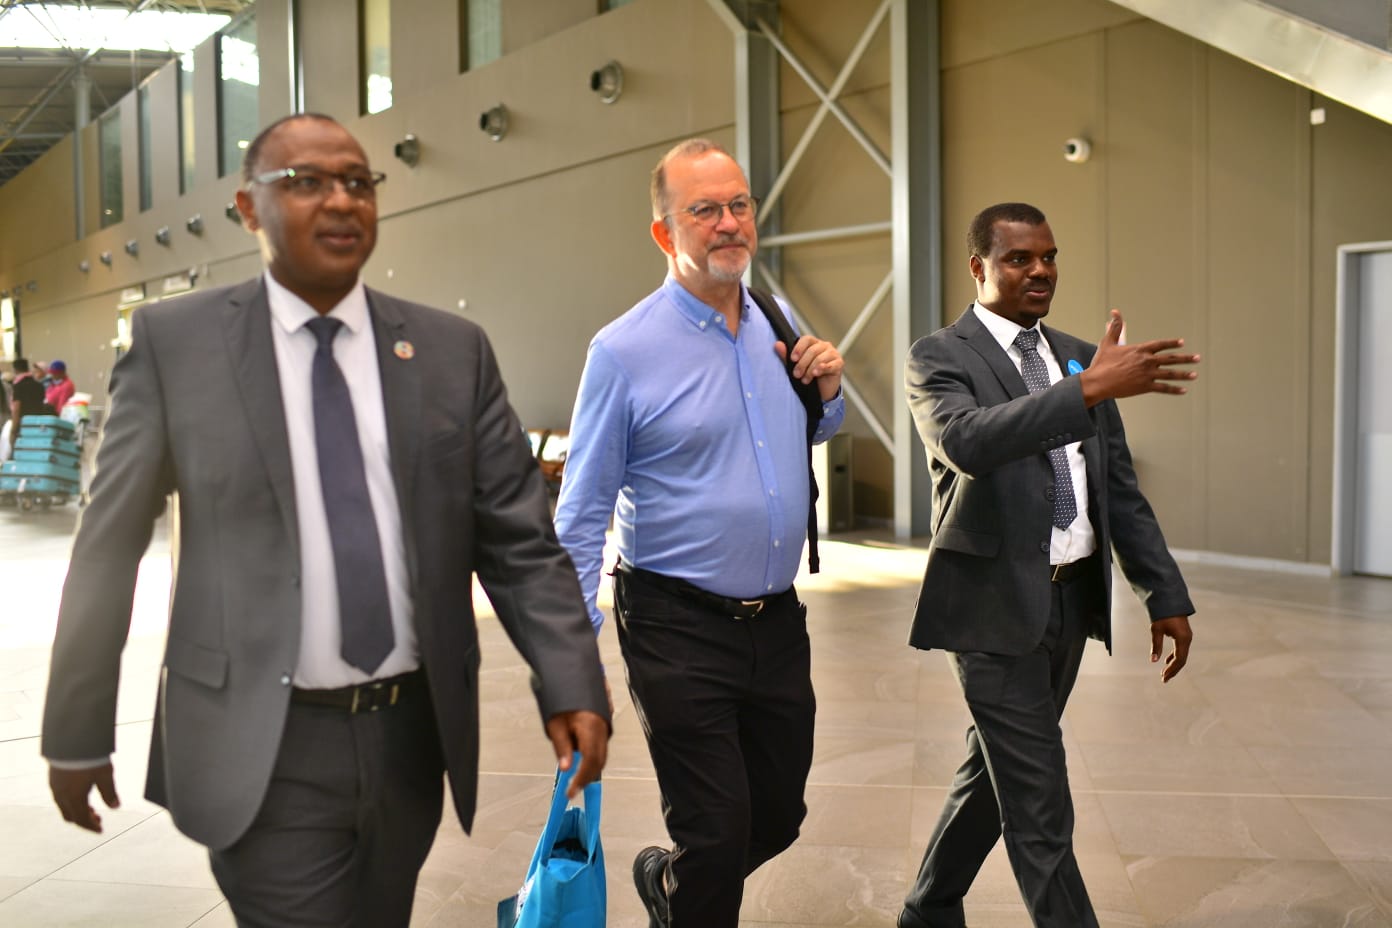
1074, 368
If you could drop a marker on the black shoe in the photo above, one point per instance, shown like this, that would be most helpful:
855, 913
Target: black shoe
648, 869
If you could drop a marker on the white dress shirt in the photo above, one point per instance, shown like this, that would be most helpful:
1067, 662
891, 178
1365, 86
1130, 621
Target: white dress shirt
355, 349
1078, 540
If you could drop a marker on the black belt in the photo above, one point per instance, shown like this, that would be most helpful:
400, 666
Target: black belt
1067, 573
365, 697
725, 605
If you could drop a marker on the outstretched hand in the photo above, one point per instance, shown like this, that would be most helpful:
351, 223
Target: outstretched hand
1119, 370
583, 731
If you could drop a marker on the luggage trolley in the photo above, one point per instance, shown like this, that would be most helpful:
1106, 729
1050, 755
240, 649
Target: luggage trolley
45, 468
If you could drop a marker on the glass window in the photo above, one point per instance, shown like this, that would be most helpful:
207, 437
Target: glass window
186, 135
375, 16
481, 33
239, 77
147, 178
8, 328
109, 167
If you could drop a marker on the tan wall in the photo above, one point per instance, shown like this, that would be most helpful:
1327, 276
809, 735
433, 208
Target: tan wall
1211, 208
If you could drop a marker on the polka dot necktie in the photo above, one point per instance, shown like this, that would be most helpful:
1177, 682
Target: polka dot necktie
1036, 375
363, 607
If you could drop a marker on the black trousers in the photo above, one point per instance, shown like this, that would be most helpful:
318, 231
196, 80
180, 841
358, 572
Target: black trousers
347, 822
1014, 780
727, 707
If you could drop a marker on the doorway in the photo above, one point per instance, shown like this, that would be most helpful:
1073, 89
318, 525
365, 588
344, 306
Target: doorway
1363, 412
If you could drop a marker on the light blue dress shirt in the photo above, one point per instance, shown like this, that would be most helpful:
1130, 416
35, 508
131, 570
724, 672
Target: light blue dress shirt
702, 441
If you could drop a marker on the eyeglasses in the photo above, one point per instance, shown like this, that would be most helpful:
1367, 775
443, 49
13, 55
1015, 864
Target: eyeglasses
314, 184
708, 213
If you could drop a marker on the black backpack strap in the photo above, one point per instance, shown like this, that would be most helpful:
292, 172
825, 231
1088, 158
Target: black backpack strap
811, 399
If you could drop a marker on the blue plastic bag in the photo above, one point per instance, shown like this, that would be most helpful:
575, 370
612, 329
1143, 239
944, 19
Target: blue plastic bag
564, 887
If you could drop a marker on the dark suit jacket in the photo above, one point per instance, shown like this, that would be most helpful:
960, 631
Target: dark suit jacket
986, 586
196, 408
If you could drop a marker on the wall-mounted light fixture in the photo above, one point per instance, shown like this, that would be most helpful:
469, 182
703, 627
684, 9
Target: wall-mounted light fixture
162, 235
494, 122
408, 150
132, 247
232, 213
84, 265
608, 81
105, 258
194, 224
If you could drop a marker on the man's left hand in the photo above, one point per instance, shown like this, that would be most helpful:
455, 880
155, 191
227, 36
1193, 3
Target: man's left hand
583, 731
815, 359
1176, 627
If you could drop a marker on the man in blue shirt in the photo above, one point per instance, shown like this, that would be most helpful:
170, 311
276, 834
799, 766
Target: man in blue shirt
686, 415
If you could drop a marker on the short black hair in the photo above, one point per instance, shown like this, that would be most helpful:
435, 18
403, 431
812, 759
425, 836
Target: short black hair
981, 232
21, 365
251, 165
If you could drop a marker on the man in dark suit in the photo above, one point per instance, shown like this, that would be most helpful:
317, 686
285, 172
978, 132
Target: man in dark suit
1033, 489
344, 462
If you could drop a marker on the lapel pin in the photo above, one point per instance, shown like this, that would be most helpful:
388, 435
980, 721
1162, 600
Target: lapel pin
1073, 366
406, 351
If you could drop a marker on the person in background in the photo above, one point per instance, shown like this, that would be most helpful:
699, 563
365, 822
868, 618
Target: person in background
26, 397
60, 387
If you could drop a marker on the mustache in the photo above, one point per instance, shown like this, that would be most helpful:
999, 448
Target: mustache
732, 239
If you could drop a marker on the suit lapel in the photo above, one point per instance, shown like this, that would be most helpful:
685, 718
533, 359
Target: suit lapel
246, 324
984, 343
401, 400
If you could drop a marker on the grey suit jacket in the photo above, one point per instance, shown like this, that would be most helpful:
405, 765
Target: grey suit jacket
986, 585
196, 408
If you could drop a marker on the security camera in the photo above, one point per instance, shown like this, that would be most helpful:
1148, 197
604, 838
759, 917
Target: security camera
408, 150
1077, 150
608, 81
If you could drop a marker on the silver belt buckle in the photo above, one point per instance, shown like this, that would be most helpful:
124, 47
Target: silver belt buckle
758, 605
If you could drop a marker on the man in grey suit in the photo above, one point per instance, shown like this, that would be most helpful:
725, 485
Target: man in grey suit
1033, 489
344, 462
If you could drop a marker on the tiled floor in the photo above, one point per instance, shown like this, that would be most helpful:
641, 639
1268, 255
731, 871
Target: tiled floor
1254, 791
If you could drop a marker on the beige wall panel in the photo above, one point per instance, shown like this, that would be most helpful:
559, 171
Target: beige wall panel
205, 108
822, 34
36, 209
541, 266
526, 21
91, 173
1352, 200
275, 97
1158, 252
130, 156
1258, 307
556, 120
330, 59
975, 30
164, 137
425, 46
1004, 124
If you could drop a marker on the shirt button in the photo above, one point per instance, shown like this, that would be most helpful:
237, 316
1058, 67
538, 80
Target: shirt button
748, 395
285, 679
777, 543
769, 587
719, 318
773, 492
703, 325
760, 444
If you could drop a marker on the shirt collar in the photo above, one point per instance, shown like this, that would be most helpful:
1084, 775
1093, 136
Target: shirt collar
1001, 328
291, 312
699, 314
